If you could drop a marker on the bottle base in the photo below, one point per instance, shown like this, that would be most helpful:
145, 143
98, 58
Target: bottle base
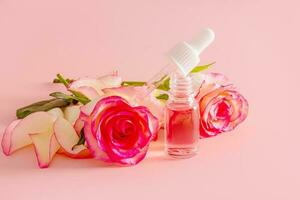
182, 153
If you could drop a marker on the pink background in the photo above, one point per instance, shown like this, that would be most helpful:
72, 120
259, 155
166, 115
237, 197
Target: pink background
257, 47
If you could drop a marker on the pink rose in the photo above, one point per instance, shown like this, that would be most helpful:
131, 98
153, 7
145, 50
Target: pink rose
222, 108
117, 132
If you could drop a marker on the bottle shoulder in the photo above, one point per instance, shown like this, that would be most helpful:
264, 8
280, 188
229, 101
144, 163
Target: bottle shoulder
192, 105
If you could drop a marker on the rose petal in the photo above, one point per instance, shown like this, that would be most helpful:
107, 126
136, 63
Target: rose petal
206, 83
68, 138
88, 108
18, 137
89, 92
110, 81
45, 146
6, 143
140, 98
151, 119
71, 113
92, 87
92, 143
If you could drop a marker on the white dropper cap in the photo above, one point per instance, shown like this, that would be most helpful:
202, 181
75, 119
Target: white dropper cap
185, 55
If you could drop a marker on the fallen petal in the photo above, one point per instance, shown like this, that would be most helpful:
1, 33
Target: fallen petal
56, 112
7, 136
67, 137
17, 135
45, 148
71, 113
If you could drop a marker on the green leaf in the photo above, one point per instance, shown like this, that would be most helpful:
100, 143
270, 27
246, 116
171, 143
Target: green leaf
201, 68
160, 81
41, 106
80, 97
163, 97
165, 85
133, 83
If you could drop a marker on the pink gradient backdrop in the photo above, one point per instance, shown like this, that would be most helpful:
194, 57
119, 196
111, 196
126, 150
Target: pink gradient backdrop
257, 47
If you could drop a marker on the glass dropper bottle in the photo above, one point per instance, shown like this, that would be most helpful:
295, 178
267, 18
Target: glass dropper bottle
182, 114
182, 111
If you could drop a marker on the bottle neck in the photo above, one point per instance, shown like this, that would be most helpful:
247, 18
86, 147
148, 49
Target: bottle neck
181, 89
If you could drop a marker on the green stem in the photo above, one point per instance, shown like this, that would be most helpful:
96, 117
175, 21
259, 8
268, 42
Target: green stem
133, 83
77, 95
80, 97
81, 139
63, 80
41, 106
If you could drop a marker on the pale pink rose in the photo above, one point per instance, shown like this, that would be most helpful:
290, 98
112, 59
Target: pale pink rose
92, 87
117, 132
222, 107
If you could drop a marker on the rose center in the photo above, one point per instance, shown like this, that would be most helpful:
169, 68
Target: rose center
223, 110
124, 134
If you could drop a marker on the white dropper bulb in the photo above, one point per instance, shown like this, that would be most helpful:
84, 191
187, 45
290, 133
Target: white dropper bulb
185, 55
202, 40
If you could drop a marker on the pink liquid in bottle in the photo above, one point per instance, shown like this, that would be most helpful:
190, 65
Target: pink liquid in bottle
182, 120
182, 132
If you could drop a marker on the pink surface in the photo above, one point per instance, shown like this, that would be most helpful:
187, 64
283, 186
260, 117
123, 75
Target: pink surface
257, 46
